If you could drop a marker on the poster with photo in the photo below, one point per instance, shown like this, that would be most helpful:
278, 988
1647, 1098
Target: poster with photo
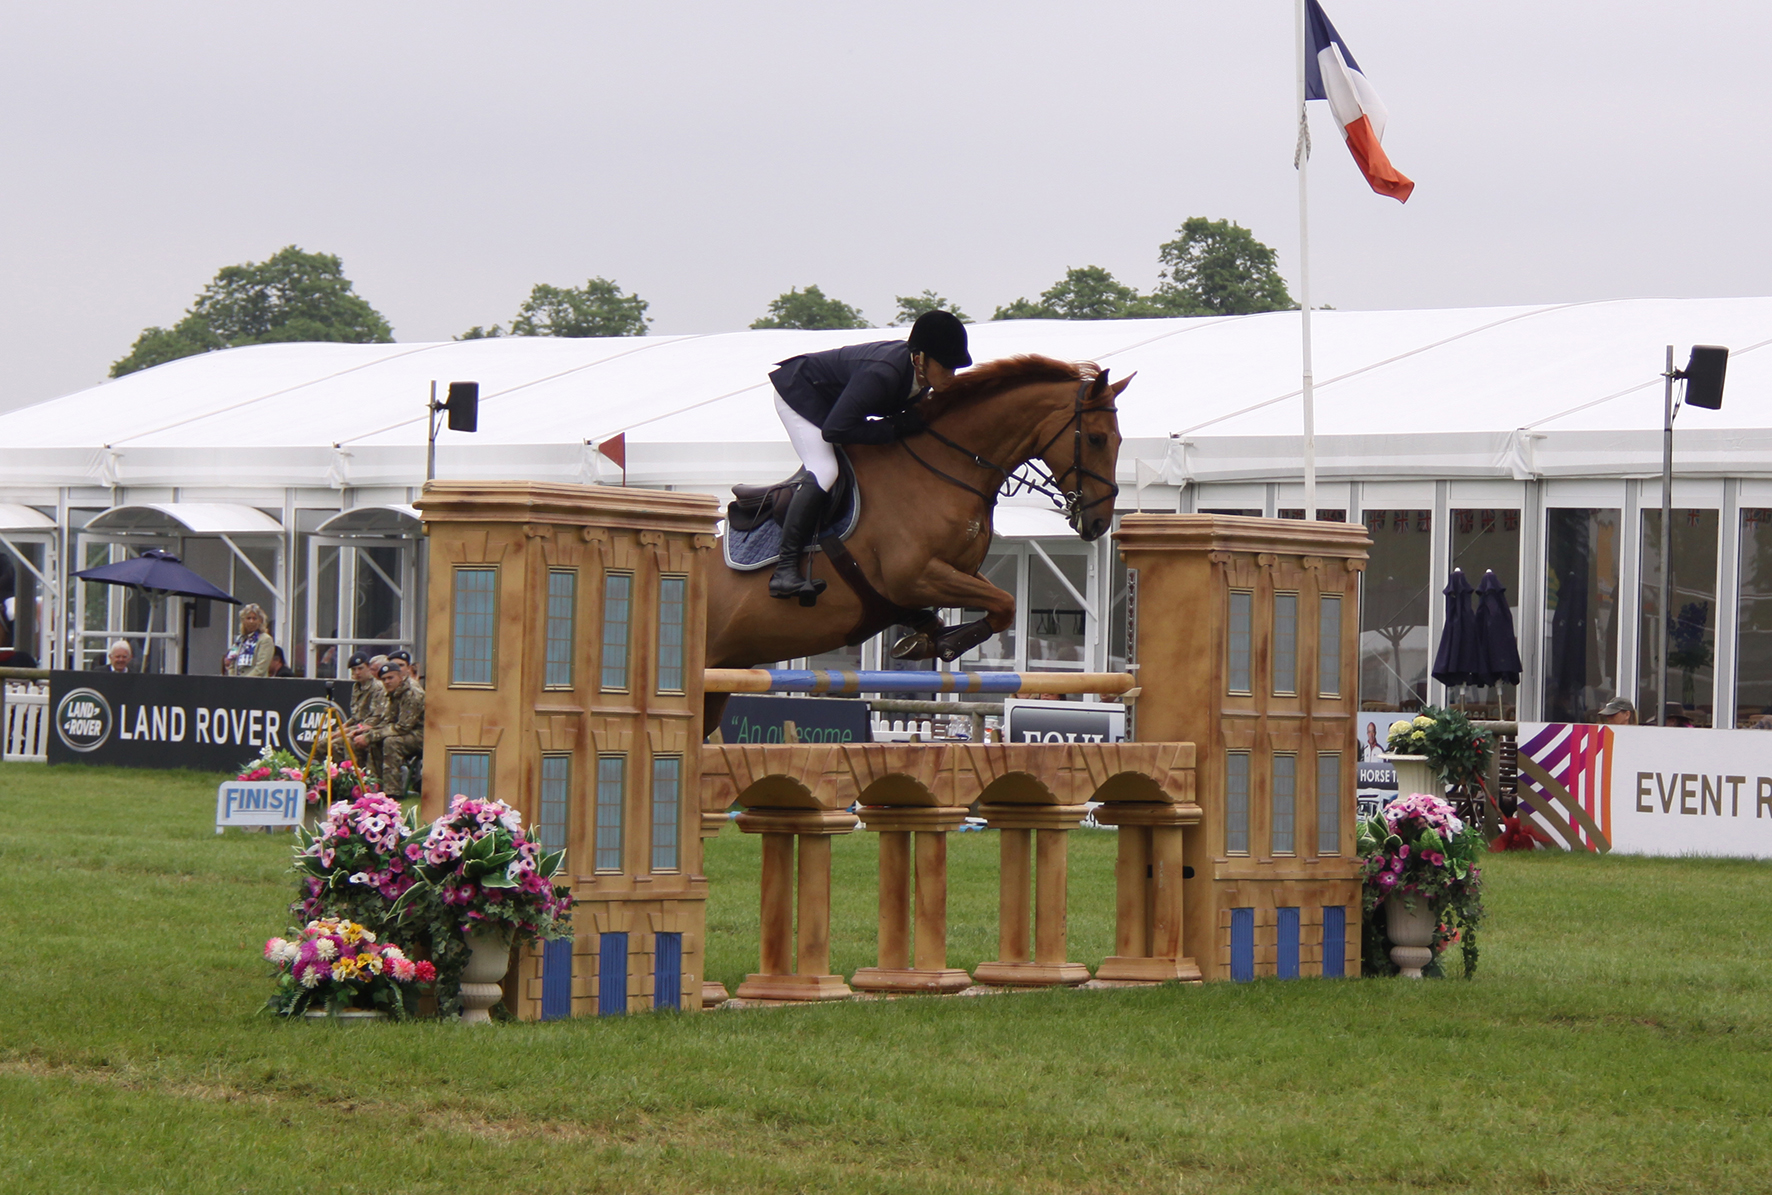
1377, 784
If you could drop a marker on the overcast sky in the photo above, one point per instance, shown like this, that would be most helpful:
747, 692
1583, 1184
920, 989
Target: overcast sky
711, 155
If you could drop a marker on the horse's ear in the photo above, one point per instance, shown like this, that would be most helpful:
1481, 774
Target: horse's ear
1100, 389
1124, 382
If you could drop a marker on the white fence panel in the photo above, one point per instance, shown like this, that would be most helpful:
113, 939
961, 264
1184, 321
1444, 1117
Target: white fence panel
27, 721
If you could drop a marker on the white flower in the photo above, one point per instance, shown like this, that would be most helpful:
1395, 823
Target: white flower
326, 948
288, 952
393, 952
368, 936
361, 877
311, 977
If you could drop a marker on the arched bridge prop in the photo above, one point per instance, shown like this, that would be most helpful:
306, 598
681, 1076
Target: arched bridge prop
797, 796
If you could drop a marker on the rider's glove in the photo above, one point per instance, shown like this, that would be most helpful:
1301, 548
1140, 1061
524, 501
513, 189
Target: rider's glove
906, 423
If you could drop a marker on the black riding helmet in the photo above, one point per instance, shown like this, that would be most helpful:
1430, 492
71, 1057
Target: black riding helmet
942, 336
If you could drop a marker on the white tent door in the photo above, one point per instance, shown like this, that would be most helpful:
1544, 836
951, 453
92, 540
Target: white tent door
362, 594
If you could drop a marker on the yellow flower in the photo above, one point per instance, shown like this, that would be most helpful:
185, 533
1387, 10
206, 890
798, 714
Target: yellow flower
1402, 726
1423, 720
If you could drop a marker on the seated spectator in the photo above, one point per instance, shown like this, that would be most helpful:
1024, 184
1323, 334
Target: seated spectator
1675, 715
279, 663
404, 659
1618, 712
119, 657
398, 735
251, 652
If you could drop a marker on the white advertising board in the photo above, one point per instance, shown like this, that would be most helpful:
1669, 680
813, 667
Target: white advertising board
1646, 790
258, 803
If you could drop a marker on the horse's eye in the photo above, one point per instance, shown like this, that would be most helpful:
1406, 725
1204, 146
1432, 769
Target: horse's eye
1098, 441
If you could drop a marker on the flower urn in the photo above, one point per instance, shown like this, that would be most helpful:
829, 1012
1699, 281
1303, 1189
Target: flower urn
1415, 775
1411, 931
489, 957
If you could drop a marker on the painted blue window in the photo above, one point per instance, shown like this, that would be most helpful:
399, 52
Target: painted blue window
1236, 803
556, 783
476, 620
1242, 622
470, 774
556, 979
618, 589
562, 598
1329, 645
1281, 830
672, 593
1285, 643
1242, 944
667, 972
612, 975
611, 797
1334, 941
667, 774
1286, 952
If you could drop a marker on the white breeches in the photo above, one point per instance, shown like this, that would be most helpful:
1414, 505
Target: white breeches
808, 440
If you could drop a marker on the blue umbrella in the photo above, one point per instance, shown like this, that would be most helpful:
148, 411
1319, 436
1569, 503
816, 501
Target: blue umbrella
157, 573
1456, 663
1498, 652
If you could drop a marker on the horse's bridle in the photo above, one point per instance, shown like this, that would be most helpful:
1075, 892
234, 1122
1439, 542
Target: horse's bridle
1042, 479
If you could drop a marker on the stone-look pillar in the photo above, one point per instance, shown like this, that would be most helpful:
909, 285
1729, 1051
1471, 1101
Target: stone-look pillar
1148, 876
794, 957
1048, 826
896, 973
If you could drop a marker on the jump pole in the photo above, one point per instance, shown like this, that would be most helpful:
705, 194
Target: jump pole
846, 681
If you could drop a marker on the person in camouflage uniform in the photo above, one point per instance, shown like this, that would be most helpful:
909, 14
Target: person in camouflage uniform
398, 735
368, 699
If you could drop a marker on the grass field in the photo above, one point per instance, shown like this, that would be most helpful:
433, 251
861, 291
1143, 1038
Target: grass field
1618, 1038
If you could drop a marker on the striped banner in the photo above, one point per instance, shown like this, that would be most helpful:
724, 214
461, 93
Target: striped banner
1566, 779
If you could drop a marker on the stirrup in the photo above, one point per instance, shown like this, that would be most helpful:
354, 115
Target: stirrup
795, 585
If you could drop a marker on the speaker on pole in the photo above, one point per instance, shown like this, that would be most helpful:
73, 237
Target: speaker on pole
1704, 376
463, 406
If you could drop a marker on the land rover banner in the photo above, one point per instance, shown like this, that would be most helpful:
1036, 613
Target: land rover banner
210, 723
1649, 790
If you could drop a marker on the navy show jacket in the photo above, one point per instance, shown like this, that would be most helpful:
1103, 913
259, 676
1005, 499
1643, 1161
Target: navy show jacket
840, 389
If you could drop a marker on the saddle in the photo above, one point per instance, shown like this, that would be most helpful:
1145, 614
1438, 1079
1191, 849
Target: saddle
754, 505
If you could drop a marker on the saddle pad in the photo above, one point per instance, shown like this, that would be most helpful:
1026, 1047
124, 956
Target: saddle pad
760, 547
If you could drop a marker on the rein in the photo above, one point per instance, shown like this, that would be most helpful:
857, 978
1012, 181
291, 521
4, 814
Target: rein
1042, 479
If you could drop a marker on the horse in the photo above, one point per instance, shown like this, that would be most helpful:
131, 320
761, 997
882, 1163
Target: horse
925, 527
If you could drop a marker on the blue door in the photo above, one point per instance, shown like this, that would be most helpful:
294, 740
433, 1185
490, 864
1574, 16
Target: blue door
1334, 941
612, 975
1286, 952
556, 979
667, 972
1242, 944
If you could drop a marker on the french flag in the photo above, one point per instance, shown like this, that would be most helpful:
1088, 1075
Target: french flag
1330, 73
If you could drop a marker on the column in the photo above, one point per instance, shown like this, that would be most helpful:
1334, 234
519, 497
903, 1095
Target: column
1148, 883
1032, 834
794, 954
897, 827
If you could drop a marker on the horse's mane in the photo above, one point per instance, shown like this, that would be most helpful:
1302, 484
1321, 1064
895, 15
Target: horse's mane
1006, 373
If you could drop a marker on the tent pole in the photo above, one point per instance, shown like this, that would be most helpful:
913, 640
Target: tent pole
1667, 533
1304, 284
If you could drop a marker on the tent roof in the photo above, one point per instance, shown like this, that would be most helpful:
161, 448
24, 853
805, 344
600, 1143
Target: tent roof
186, 518
1564, 388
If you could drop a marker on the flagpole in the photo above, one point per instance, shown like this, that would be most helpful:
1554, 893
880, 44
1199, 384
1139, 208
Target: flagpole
1303, 156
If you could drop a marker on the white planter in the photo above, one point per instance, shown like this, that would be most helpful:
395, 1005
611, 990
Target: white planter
489, 957
1415, 776
1411, 932
347, 1014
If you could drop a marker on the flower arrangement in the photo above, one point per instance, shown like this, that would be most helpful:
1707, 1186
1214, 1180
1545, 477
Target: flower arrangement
338, 964
1455, 749
358, 863
486, 873
330, 780
1419, 849
273, 763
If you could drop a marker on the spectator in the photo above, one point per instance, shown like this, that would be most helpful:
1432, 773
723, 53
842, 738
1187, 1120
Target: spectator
369, 700
1618, 712
404, 659
251, 653
398, 735
1675, 715
279, 663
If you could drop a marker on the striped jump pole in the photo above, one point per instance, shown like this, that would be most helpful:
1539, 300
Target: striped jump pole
853, 682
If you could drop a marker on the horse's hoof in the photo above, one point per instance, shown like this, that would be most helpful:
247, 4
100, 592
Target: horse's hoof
914, 647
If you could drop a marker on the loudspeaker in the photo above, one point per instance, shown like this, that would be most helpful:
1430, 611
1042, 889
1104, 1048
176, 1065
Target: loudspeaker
464, 406
1704, 376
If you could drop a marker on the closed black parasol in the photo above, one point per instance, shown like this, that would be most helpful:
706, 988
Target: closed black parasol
1498, 652
1456, 663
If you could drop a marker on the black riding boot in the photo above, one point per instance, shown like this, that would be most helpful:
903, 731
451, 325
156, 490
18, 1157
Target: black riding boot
801, 523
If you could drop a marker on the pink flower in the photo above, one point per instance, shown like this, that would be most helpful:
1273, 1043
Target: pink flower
405, 970
274, 947
426, 971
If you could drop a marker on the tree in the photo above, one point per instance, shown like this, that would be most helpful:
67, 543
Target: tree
912, 306
289, 296
598, 308
478, 333
1085, 292
810, 308
1216, 267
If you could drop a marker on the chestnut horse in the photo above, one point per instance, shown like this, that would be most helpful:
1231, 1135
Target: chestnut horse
926, 505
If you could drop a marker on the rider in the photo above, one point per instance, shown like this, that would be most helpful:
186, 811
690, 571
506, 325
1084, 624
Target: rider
858, 394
